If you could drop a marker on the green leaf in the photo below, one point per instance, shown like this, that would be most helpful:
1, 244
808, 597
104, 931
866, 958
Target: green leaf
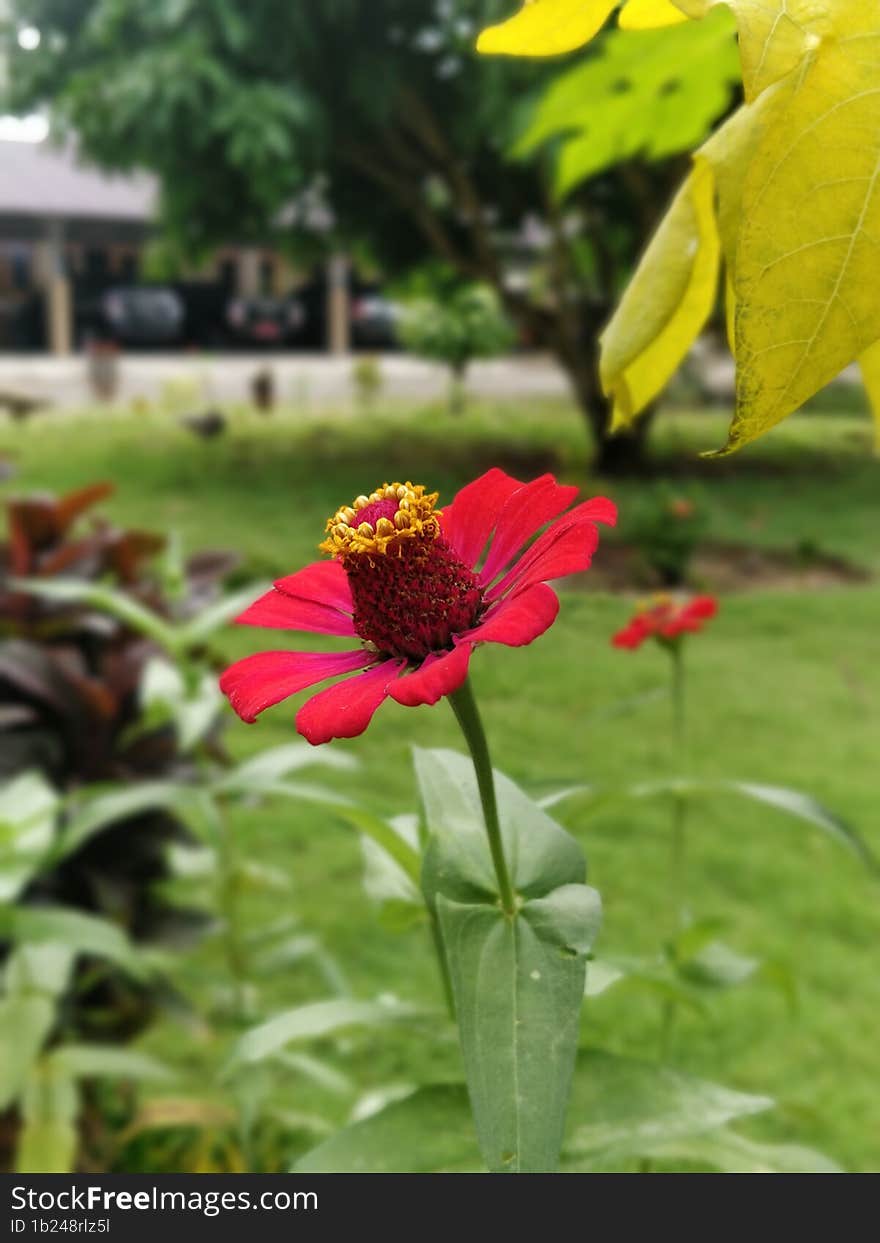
27, 823
621, 1108
794, 803
518, 983
731, 1153
807, 809
48, 1140
192, 710
80, 932
385, 881
652, 95
98, 809
719, 966
652, 977
518, 986
601, 976
311, 1022
669, 299
429, 1131
276, 763
107, 600
24, 1025
540, 854
319, 1072
84, 1061
197, 631
43, 969
691, 940
385, 837
714, 965
176, 640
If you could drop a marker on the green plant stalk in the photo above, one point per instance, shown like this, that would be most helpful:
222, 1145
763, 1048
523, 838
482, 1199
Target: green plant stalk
437, 936
679, 823
466, 713
443, 965
227, 900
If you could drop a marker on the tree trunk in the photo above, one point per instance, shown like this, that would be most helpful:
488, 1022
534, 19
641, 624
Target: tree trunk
457, 391
624, 453
572, 336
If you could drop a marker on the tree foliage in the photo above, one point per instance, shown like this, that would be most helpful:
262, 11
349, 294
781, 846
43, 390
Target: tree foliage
786, 194
655, 95
467, 324
259, 119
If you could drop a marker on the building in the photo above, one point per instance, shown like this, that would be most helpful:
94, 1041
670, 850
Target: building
65, 226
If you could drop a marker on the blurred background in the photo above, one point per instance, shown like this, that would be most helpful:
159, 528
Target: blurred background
254, 261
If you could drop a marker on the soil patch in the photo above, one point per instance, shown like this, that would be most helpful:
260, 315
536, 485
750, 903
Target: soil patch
723, 568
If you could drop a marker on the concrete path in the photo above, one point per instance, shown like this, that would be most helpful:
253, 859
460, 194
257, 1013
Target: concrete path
306, 380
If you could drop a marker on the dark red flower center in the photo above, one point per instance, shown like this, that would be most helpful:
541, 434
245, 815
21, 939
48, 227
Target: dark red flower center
411, 592
412, 603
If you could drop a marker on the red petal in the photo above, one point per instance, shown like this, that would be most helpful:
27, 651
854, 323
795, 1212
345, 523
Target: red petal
632, 636
278, 611
554, 554
520, 619
690, 617
701, 607
439, 675
346, 709
566, 547
467, 523
597, 509
323, 581
259, 681
524, 512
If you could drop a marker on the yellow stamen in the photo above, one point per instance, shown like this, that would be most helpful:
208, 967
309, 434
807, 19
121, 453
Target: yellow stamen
415, 518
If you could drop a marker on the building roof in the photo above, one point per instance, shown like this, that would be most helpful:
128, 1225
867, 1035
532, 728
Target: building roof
47, 181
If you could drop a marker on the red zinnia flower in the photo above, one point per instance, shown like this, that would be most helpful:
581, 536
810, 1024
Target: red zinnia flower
665, 619
408, 581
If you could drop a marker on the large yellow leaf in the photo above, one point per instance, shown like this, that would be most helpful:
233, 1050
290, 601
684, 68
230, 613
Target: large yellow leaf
650, 14
546, 28
870, 366
774, 35
667, 303
730, 151
809, 247
650, 333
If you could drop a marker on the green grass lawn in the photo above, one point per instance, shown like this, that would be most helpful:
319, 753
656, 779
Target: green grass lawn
784, 688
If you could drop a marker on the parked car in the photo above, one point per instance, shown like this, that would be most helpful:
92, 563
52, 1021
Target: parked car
374, 321
204, 303
265, 321
139, 315
23, 323
373, 317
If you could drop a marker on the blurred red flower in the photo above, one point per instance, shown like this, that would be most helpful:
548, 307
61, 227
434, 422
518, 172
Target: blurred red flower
666, 619
409, 582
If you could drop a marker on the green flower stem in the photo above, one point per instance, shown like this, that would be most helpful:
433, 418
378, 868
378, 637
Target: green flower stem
679, 824
443, 965
465, 708
679, 814
228, 892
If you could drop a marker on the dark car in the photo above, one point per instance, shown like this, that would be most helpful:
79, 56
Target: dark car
139, 315
204, 304
373, 317
374, 321
265, 321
